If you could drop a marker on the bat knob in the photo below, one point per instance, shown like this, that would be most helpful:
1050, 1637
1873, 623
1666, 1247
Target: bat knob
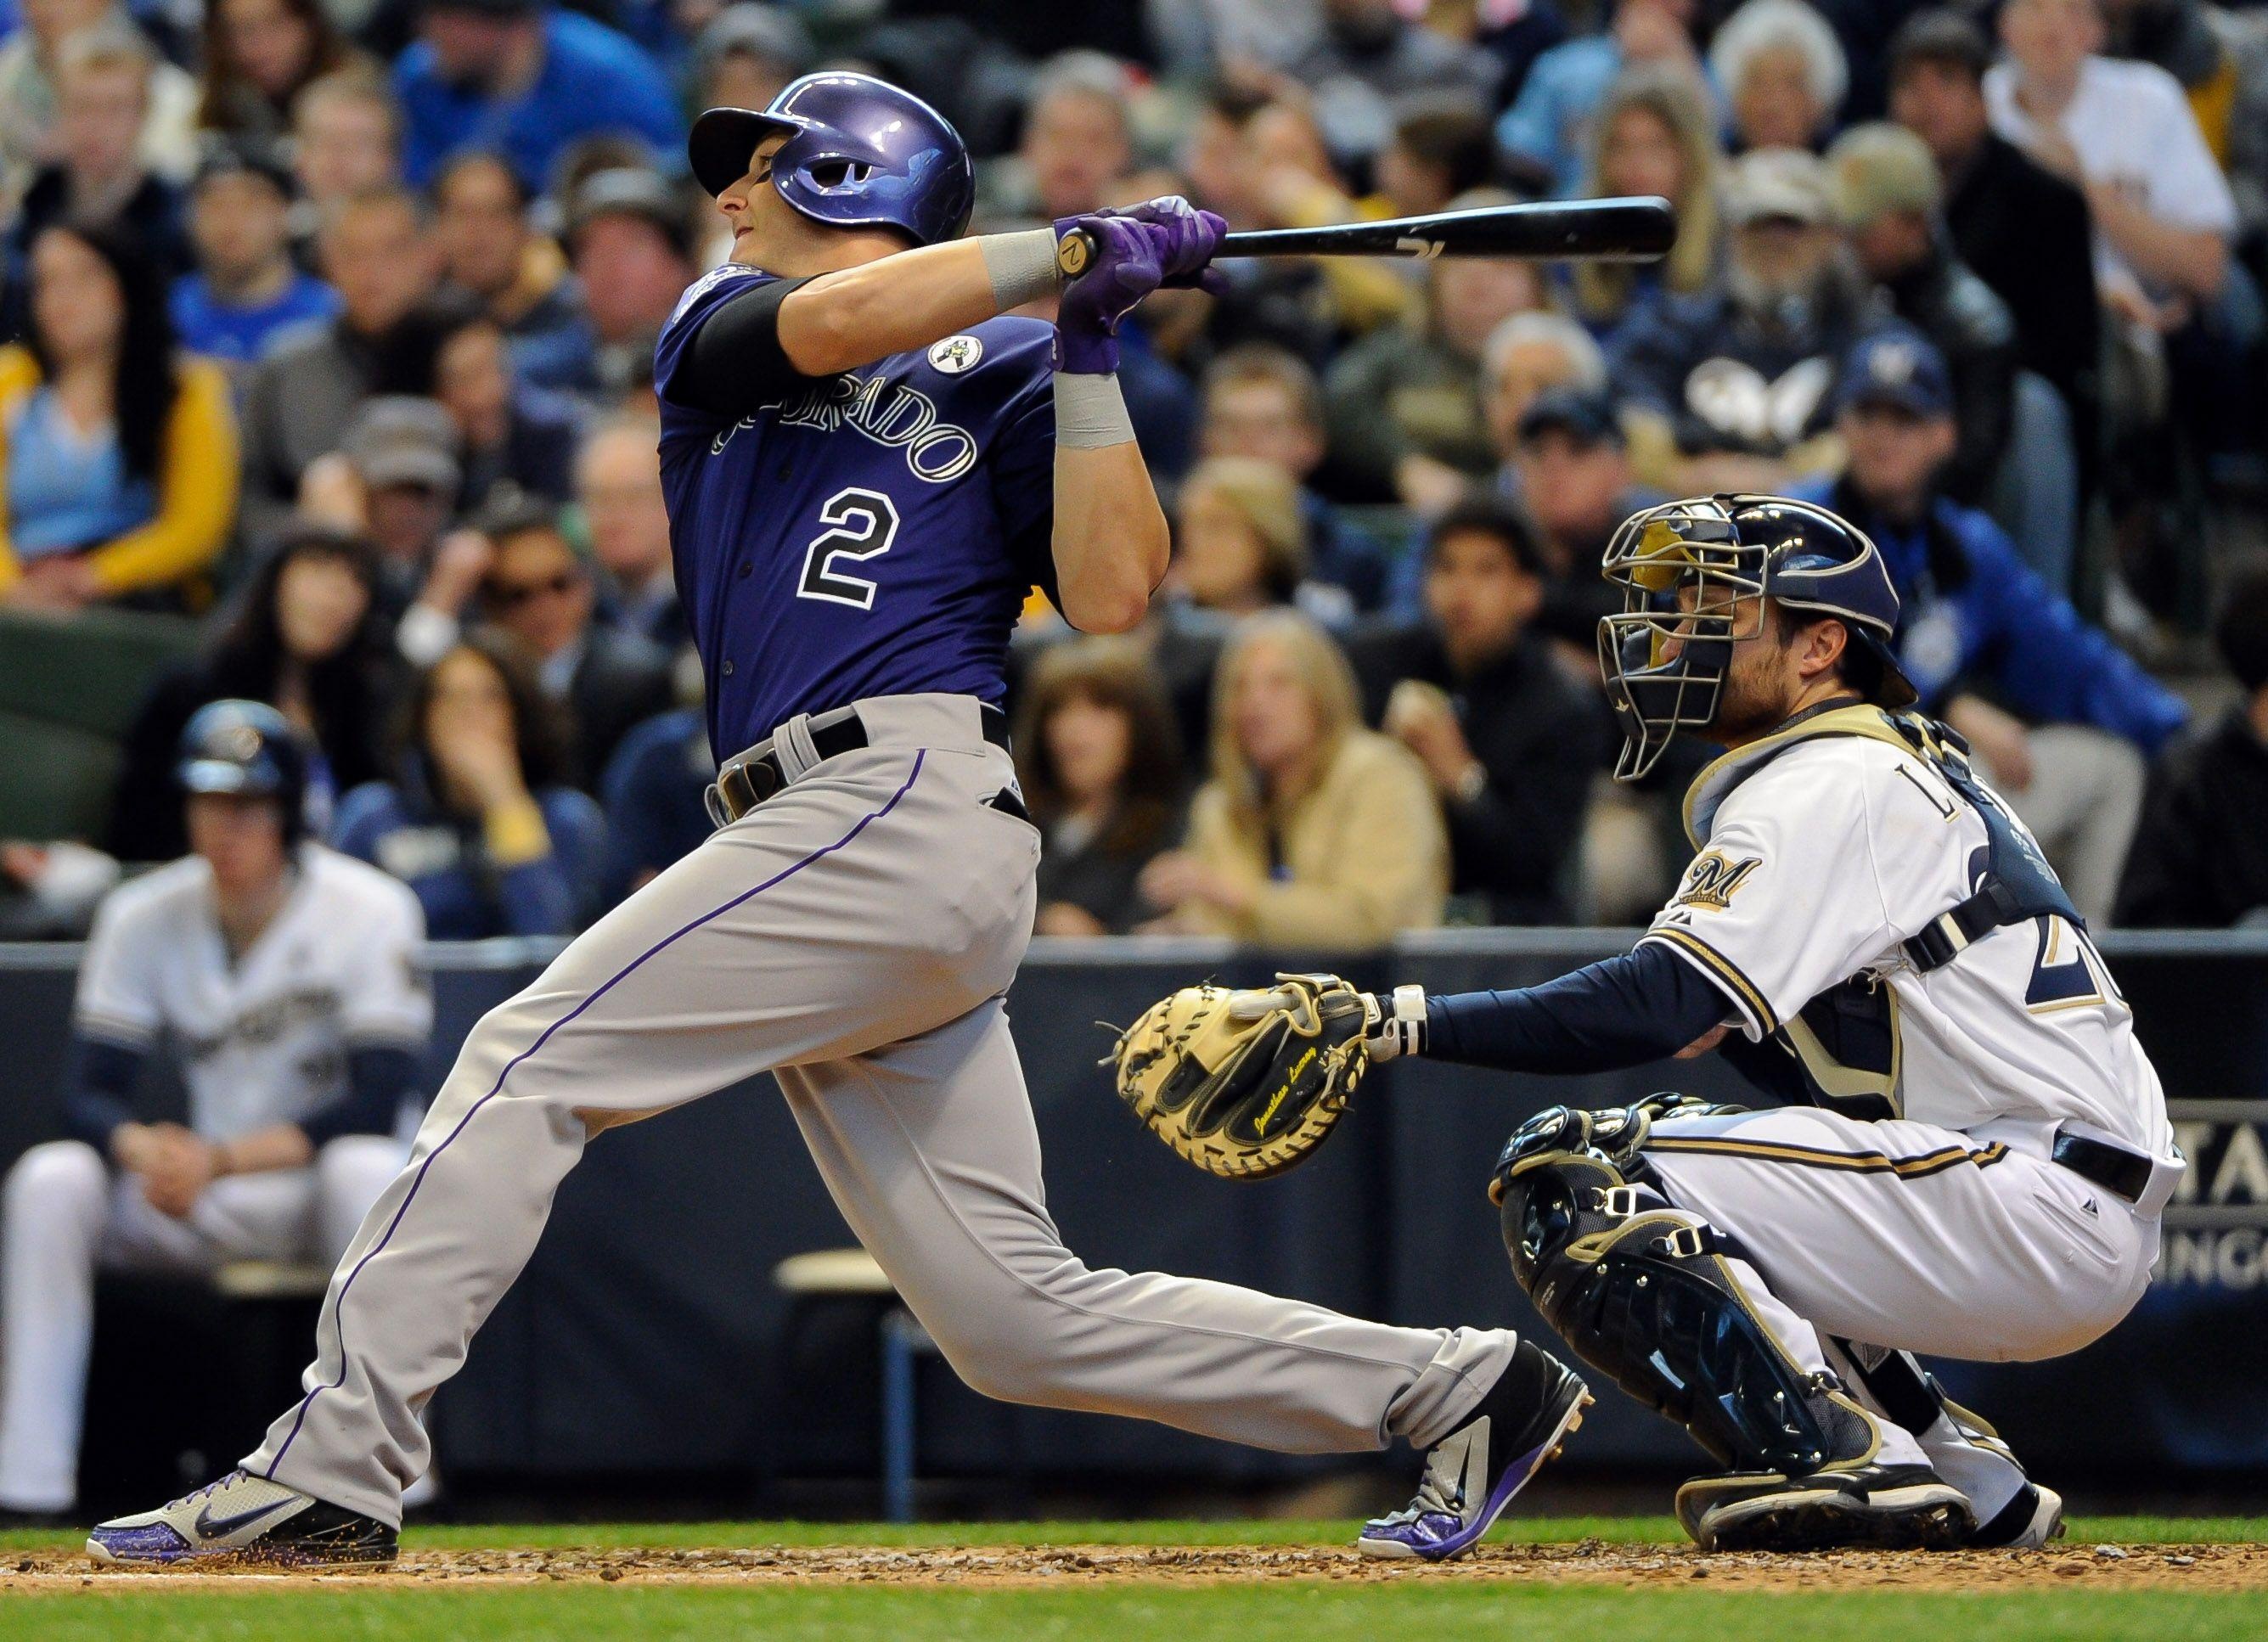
1074, 254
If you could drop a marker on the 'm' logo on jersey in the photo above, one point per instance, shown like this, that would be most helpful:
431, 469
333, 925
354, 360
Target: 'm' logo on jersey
955, 354
1712, 880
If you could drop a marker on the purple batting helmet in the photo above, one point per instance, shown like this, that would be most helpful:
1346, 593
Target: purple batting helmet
860, 153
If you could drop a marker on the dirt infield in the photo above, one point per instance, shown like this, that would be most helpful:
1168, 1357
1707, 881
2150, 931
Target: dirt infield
2182, 1567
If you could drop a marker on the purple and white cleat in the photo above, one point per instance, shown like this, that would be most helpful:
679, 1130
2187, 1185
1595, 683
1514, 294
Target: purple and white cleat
1472, 1473
246, 1519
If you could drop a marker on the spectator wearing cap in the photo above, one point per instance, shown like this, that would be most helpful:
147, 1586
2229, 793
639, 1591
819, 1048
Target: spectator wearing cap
245, 288
117, 452
1077, 139
541, 591
2058, 714
1888, 195
631, 239
508, 432
492, 254
618, 487
528, 79
2022, 229
395, 478
258, 56
1262, 401
1547, 131
1783, 74
747, 53
97, 169
297, 401
346, 140
1731, 389
1570, 474
1403, 404
31, 90
478, 820
1509, 737
2200, 856
1656, 133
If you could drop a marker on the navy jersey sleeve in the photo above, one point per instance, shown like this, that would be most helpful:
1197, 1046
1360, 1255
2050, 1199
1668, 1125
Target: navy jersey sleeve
719, 356
1023, 480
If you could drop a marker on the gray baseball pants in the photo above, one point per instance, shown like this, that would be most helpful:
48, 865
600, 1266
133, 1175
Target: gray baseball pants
853, 935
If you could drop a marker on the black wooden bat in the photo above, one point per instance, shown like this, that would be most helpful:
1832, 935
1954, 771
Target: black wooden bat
1612, 230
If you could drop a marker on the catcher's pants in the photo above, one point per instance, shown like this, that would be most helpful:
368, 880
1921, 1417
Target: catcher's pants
1908, 1237
853, 934
63, 1215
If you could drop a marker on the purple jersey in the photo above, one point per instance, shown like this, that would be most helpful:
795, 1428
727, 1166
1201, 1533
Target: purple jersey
870, 533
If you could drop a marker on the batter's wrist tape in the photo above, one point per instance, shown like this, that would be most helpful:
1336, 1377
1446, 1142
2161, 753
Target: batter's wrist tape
1090, 412
1021, 266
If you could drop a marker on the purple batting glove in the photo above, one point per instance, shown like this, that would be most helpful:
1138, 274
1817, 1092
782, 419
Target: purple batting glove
1192, 241
1127, 265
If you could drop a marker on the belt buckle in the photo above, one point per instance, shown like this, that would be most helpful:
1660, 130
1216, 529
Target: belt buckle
739, 787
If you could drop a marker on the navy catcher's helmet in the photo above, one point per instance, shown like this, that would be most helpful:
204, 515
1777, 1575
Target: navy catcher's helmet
246, 748
860, 153
1723, 553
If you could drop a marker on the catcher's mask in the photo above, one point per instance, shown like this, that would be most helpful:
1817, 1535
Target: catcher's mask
1694, 576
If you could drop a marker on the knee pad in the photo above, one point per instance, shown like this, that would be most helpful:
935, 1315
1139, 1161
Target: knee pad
1642, 1292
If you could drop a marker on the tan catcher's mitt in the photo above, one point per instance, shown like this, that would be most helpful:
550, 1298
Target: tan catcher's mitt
1245, 1084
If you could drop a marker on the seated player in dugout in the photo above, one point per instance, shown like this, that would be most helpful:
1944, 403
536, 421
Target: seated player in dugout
283, 978
1976, 1152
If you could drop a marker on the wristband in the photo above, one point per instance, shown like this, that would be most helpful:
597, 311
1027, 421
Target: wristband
1396, 1025
1090, 412
1021, 266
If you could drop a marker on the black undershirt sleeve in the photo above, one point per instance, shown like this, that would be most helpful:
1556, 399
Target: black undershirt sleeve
1624, 1011
734, 364
377, 1076
99, 1088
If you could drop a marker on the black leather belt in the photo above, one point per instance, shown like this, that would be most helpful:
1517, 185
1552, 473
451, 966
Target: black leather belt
746, 781
2114, 1168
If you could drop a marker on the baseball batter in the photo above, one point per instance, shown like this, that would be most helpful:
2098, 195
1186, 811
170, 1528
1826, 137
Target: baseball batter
867, 468
1978, 1152
282, 977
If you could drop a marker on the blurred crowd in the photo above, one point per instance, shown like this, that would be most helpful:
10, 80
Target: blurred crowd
332, 325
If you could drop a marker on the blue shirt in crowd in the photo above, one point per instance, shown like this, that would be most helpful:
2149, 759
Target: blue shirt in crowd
1971, 609
465, 895
593, 81
68, 489
239, 333
1548, 124
655, 791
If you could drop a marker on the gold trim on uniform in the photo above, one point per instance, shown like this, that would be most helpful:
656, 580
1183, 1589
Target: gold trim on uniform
1745, 991
1817, 1157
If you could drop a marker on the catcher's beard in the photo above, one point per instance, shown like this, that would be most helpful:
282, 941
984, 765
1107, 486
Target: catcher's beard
1754, 698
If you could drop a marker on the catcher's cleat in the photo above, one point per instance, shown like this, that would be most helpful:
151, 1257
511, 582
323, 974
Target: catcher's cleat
245, 1519
2027, 1522
1472, 1473
1880, 1508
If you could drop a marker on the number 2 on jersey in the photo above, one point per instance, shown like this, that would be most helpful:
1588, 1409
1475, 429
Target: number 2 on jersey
861, 524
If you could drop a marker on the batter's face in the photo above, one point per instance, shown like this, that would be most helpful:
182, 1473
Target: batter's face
241, 838
763, 223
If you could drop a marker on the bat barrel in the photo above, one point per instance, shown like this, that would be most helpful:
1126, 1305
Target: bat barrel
1618, 229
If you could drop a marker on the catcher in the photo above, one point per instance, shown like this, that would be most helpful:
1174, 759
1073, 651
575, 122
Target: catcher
1975, 1151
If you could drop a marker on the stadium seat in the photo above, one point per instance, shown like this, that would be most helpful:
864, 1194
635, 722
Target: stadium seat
60, 778
90, 672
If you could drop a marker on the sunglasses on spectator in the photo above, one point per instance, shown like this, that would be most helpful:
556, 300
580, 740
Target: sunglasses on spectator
512, 595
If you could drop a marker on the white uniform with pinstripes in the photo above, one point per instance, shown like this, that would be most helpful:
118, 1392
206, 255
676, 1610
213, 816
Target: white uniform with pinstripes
1944, 1229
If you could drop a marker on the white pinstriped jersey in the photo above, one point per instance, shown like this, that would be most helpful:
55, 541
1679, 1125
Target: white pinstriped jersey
264, 1038
1823, 849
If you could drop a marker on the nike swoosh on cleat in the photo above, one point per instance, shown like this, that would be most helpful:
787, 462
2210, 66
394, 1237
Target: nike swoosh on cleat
209, 1526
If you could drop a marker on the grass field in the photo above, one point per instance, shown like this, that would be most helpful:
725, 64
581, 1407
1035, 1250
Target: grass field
1627, 1579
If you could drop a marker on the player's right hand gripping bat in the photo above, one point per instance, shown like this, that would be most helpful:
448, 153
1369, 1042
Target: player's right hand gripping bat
1636, 230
